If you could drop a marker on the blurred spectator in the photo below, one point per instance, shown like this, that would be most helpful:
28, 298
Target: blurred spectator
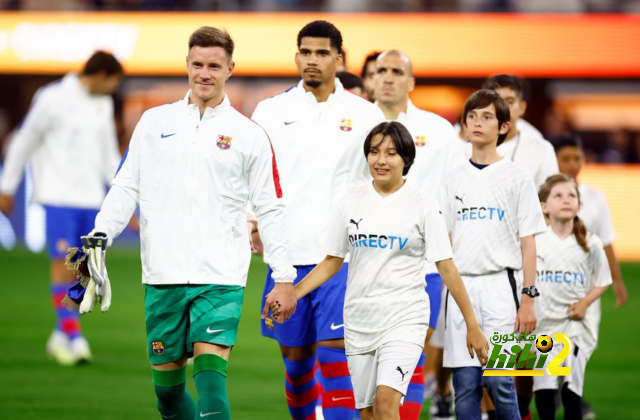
367, 73
618, 148
5, 127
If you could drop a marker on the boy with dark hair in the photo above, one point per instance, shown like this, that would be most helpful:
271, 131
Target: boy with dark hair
528, 150
317, 130
69, 136
493, 214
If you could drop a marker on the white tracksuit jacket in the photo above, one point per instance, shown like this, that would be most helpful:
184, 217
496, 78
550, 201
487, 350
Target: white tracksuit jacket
70, 138
193, 179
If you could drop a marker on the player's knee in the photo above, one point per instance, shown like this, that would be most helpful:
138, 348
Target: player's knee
168, 396
386, 404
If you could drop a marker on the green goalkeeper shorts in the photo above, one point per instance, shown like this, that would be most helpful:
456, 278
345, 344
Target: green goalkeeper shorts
179, 315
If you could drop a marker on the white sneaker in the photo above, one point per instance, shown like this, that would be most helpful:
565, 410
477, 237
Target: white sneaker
58, 349
80, 350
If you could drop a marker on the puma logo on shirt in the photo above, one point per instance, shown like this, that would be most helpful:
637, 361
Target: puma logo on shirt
356, 223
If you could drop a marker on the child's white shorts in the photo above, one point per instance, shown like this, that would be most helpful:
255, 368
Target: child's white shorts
392, 365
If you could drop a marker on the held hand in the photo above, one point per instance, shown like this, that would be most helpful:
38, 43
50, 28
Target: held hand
6, 204
621, 294
477, 342
281, 301
577, 311
526, 321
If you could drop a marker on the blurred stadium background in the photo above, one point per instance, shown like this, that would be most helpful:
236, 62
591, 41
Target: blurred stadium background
578, 56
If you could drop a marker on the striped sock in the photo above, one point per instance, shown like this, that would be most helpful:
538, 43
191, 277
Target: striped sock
412, 406
338, 401
67, 322
301, 388
320, 381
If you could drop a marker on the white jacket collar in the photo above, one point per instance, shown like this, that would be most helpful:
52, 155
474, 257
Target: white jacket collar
311, 99
208, 112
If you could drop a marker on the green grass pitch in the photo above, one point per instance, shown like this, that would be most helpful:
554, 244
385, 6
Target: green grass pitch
117, 385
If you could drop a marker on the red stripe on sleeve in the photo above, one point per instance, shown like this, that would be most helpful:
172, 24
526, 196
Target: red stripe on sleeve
276, 174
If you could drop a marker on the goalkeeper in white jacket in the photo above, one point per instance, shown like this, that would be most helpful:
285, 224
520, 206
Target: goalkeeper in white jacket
192, 166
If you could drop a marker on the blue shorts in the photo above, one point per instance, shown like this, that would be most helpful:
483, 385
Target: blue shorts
434, 290
65, 226
319, 315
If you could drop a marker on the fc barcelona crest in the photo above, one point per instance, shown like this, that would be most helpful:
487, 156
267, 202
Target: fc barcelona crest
345, 124
420, 141
157, 347
224, 142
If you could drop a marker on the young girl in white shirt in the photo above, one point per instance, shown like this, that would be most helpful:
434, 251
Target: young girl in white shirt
389, 228
572, 273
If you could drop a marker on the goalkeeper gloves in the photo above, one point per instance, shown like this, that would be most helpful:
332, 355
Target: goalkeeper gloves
93, 283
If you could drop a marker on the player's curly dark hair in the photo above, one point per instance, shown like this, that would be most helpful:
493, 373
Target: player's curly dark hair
579, 229
400, 137
322, 29
483, 98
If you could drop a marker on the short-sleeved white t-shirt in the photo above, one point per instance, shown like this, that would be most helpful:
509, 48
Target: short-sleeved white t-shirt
488, 211
388, 239
594, 211
564, 275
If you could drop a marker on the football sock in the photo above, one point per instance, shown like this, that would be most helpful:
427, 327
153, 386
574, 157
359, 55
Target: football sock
66, 321
173, 399
545, 404
301, 388
572, 404
338, 401
412, 406
210, 375
320, 382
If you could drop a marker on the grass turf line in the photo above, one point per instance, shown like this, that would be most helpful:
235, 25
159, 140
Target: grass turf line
117, 385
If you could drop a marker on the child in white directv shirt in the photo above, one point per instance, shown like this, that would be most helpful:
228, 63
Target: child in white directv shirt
389, 228
572, 274
493, 214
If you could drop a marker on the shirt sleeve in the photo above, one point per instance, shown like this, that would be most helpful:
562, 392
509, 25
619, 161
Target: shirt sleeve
529, 212
437, 243
599, 263
455, 152
603, 226
335, 241
265, 198
548, 165
29, 136
123, 197
447, 205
